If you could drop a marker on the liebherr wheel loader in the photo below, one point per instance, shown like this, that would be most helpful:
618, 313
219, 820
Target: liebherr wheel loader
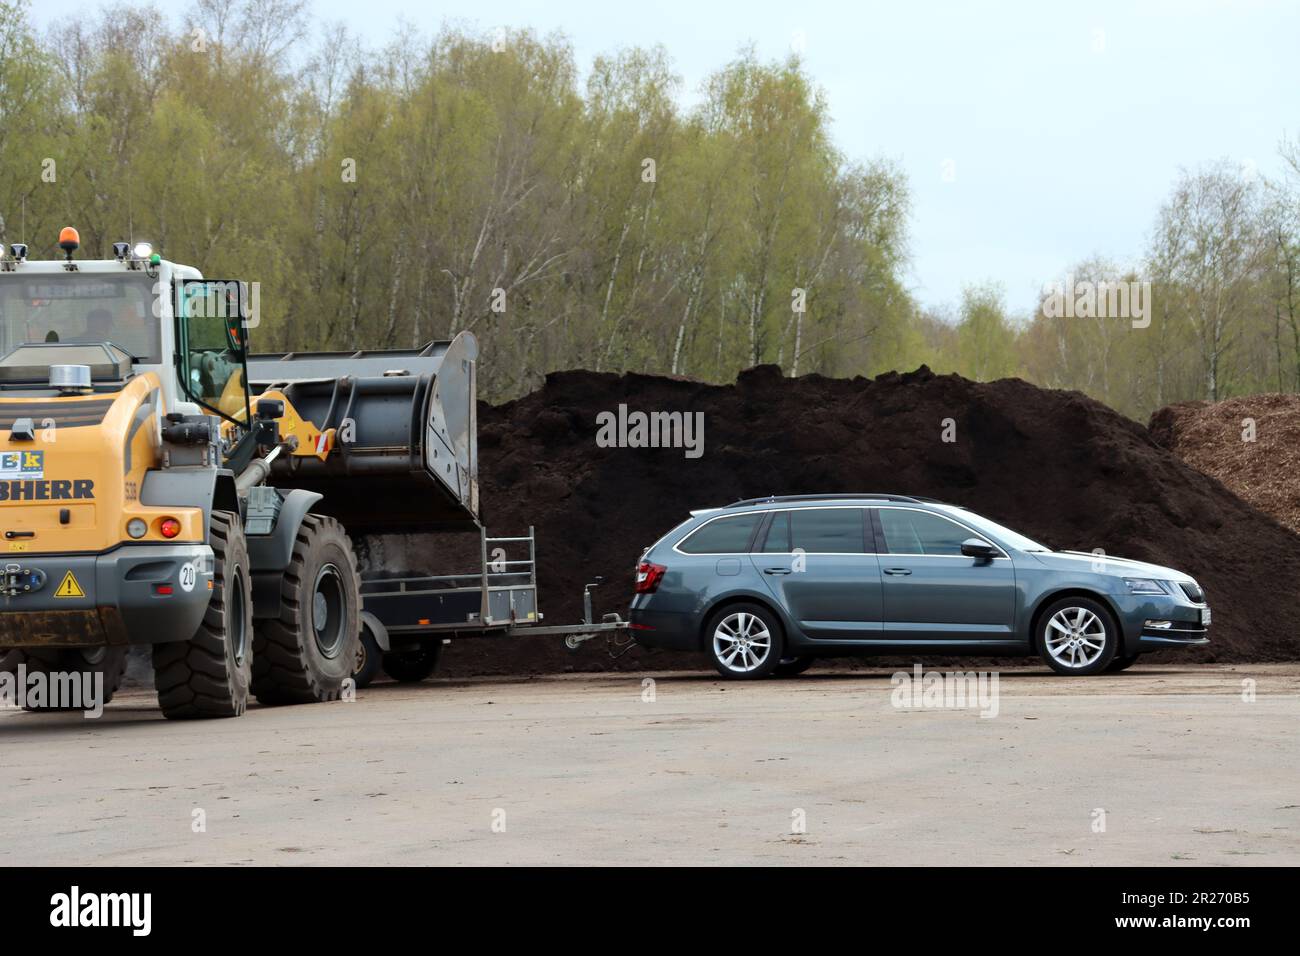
149, 495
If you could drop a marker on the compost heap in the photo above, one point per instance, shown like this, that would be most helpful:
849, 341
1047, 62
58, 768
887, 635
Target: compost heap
1055, 465
1250, 444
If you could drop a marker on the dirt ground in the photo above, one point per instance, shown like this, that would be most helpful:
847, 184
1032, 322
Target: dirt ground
588, 769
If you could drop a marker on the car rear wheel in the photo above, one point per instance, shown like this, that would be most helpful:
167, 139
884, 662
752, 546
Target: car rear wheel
744, 642
1077, 636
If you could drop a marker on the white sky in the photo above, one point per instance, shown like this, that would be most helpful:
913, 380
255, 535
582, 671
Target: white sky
1066, 124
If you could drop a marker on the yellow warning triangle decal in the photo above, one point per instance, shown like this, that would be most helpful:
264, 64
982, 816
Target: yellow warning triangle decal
69, 587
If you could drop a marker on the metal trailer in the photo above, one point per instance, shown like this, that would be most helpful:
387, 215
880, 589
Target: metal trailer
416, 616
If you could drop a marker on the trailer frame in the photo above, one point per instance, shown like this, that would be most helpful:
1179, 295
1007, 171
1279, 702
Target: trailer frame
499, 599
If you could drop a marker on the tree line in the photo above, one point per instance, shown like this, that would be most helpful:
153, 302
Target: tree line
386, 197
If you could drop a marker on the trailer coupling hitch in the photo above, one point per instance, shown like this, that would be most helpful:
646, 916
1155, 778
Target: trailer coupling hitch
19, 580
596, 582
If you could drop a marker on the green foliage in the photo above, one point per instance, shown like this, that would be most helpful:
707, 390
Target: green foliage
473, 181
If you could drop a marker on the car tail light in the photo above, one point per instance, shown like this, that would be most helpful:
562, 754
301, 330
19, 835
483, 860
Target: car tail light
169, 527
648, 576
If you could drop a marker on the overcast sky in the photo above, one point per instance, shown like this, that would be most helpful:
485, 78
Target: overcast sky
1033, 134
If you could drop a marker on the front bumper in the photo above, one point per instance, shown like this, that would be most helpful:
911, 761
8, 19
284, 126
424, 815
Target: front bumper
134, 594
1142, 614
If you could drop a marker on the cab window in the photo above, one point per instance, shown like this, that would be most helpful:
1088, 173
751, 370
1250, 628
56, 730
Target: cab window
213, 370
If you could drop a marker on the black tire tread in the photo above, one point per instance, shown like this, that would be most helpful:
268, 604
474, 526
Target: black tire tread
281, 674
192, 677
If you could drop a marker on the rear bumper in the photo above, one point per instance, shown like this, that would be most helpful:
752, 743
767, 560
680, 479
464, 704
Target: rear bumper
113, 598
670, 630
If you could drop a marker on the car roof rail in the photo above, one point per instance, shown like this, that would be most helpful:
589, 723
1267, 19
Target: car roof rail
844, 496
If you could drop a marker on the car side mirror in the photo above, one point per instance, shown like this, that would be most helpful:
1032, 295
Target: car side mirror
977, 548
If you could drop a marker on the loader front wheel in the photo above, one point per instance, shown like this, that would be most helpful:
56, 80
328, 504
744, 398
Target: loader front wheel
209, 675
307, 653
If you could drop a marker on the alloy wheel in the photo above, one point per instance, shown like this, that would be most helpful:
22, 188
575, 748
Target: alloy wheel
741, 641
1076, 637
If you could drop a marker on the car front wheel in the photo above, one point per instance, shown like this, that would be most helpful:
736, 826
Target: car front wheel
1077, 636
744, 642
1118, 664
792, 666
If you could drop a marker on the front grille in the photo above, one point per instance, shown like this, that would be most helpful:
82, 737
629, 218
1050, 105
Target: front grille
1193, 592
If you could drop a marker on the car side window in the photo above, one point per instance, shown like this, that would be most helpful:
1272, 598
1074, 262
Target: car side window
723, 536
827, 530
778, 534
919, 532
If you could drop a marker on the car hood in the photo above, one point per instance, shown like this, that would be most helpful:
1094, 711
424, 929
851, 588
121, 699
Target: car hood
1108, 564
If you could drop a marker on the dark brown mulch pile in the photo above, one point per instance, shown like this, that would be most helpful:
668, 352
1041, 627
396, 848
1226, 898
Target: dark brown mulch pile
1055, 465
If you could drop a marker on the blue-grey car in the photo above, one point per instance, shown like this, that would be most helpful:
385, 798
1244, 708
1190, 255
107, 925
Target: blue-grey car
768, 585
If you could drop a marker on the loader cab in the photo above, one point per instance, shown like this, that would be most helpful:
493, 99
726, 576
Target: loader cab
211, 345
71, 318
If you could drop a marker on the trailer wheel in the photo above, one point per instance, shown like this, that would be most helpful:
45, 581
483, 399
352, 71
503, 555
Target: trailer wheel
209, 675
409, 667
307, 653
108, 661
369, 658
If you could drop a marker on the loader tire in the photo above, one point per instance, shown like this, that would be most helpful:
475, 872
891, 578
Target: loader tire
307, 653
209, 675
108, 661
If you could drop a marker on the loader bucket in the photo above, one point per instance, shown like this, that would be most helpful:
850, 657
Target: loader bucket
406, 454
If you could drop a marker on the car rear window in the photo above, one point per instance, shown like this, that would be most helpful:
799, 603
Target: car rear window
816, 530
722, 536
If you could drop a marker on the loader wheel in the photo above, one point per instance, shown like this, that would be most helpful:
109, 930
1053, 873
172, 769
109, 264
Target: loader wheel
307, 653
108, 661
208, 675
409, 667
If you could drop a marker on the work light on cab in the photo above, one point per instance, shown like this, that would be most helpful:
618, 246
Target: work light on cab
69, 241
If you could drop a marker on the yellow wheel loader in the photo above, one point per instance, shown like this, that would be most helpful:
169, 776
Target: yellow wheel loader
153, 491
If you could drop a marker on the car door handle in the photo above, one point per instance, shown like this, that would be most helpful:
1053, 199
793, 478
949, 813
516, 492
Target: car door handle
898, 570
776, 570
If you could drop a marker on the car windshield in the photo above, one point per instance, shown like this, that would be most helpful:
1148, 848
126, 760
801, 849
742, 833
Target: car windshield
996, 531
78, 307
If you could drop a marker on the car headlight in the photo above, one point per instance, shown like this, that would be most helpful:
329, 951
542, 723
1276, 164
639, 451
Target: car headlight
1143, 586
